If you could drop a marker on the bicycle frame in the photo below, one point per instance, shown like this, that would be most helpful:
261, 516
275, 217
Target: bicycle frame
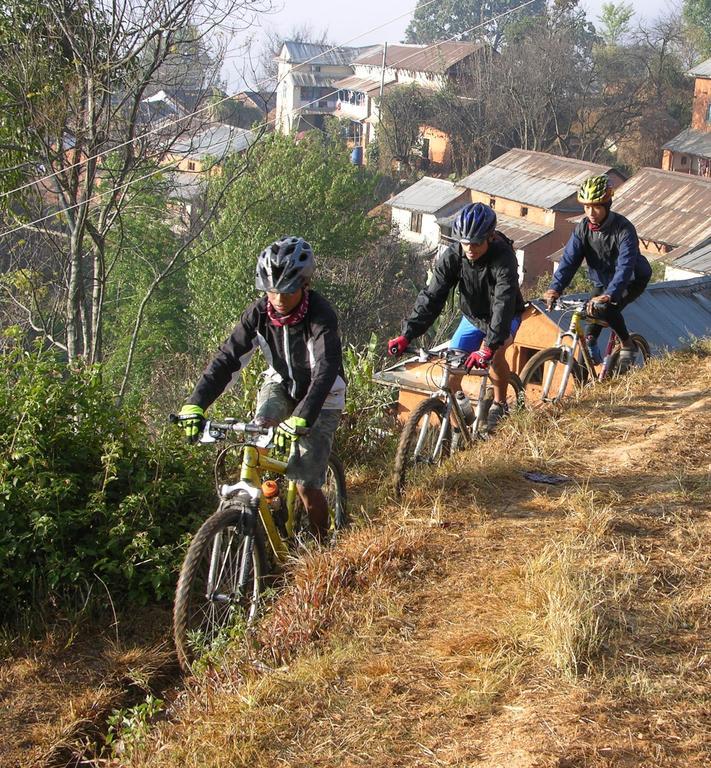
444, 391
255, 461
571, 343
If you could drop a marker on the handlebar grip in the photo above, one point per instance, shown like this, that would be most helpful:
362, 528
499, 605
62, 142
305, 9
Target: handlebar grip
173, 418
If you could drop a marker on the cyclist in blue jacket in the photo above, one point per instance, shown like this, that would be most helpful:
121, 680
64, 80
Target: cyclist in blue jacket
609, 245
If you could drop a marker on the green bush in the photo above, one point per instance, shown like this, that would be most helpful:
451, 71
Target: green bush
366, 434
86, 494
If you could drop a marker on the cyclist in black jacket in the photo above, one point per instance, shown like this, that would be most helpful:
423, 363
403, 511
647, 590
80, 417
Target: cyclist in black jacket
297, 331
483, 265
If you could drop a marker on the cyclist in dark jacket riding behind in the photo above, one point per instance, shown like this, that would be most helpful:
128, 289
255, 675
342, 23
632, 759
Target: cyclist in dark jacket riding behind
609, 245
483, 266
297, 331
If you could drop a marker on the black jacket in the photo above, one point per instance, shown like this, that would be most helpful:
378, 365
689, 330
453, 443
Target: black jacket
611, 253
489, 295
306, 357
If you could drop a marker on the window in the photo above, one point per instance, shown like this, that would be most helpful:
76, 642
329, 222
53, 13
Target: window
524, 210
323, 103
316, 68
416, 222
492, 202
684, 159
191, 165
708, 114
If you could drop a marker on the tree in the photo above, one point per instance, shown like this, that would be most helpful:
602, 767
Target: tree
697, 16
307, 188
403, 109
104, 58
615, 22
467, 20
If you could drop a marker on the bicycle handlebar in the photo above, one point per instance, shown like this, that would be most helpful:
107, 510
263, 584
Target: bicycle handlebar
455, 358
232, 425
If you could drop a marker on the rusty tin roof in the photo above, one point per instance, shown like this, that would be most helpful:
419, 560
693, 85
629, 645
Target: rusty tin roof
533, 178
666, 206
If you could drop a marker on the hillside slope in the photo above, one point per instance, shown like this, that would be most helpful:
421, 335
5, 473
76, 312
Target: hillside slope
487, 620
493, 621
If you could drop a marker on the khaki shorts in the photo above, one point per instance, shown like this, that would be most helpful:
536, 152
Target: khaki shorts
309, 468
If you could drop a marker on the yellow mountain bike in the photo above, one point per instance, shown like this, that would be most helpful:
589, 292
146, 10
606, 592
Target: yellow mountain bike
553, 373
257, 522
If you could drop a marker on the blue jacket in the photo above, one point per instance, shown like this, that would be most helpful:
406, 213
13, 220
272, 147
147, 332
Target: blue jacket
611, 253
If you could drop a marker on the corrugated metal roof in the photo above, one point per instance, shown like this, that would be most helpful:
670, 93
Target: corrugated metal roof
316, 53
692, 142
697, 258
216, 141
666, 206
522, 232
667, 314
420, 58
701, 70
310, 78
361, 84
428, 195
533, 178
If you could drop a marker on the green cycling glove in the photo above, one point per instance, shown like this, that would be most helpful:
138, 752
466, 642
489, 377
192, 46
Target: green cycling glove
192, 420
287, 431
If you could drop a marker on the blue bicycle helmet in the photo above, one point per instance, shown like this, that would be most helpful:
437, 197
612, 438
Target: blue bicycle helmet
474, 222
285, 266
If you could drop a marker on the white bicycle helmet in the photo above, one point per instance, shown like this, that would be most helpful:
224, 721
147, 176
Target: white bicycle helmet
285, 266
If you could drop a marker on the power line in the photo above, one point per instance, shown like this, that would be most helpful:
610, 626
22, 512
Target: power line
295, 111
169, 123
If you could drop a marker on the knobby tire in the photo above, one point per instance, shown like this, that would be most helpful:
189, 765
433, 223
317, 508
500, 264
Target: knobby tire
534, 369
190, 598
410, 434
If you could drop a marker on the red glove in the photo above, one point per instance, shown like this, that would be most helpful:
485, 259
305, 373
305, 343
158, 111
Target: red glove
479, 359
398, 346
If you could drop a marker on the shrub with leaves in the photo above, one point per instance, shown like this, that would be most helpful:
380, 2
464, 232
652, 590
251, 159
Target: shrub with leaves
367, 430
85, 494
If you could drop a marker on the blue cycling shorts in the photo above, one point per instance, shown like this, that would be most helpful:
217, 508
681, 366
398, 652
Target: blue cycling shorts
468, 337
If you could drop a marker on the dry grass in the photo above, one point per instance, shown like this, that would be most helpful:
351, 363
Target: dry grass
488, 621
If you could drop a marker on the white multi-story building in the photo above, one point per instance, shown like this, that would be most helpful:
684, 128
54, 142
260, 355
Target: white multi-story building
307, 76
429, 66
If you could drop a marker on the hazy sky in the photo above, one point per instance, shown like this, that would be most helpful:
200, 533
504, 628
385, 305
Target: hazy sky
355, 23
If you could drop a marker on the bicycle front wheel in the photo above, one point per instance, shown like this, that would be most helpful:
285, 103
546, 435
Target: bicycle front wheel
420, 445
543, 377
218, 590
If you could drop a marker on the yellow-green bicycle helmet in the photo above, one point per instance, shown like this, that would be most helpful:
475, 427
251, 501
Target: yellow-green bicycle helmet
595, 191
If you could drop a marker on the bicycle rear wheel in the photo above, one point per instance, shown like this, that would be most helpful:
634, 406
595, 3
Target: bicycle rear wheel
542, 377
218, 592
642, 354
514, 397
417, 448
334, 489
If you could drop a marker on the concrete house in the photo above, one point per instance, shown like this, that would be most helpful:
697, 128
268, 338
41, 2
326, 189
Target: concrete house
416, 210
432, 66
690, 151
686, 263
534, 196
307, 75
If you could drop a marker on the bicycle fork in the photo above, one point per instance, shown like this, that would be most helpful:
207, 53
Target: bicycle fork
220, 556
567, 357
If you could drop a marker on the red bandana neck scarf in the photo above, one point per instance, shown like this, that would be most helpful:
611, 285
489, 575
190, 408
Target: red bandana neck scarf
295, 316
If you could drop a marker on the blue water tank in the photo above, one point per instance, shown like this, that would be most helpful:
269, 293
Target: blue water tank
357, 156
